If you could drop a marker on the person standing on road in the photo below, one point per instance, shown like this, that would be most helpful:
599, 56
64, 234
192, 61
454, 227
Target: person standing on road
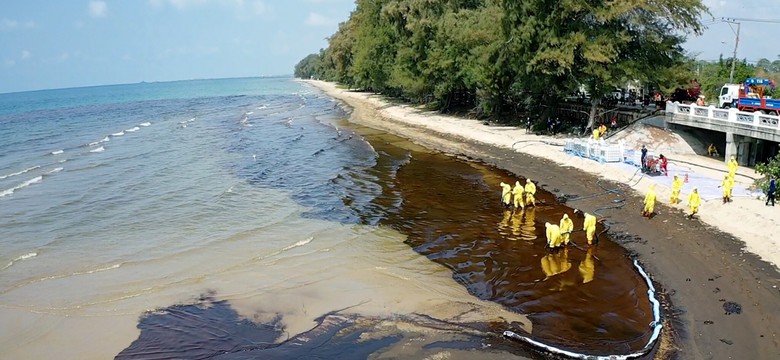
677, 184
694, 200
732, 166
649, 202
770, 194
642, 160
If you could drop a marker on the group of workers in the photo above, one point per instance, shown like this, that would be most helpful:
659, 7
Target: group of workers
522, 195
519, 196
599, 132
560, 235
694, 199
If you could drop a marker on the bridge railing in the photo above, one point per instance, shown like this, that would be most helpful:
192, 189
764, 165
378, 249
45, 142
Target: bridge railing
699, 113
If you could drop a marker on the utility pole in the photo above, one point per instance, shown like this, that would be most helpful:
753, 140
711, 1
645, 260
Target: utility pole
736, 44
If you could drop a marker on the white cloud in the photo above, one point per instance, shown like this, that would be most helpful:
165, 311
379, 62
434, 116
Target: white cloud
97, 9
14, 24
315, 19
25, 55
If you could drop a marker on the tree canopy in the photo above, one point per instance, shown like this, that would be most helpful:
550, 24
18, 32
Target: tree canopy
501, 56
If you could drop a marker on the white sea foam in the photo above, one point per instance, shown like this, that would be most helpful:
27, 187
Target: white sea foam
145, 124
55, 170
105, 139
297, 244
20, 258
25, 184
57, 152
118, 134
19, 172
62, 276
133, 129
98, 149
262, 107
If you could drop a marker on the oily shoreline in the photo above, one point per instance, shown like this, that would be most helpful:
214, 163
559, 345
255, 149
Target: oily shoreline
700, 268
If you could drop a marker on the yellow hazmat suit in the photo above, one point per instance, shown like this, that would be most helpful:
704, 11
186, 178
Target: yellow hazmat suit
694, 200
596, 134
566, 227
506, 194
588, 267
517, 192
727, 184
589, 225
649, 202
553, 235
530, 191
677, 184
732, 166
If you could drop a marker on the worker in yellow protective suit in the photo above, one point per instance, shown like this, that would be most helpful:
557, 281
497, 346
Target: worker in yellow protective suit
553, 235
588, 224
732, 166
530, 191
602, 130
677, 184
726, 185
694, 200
596, 134
517, 192
506, 194
649, 202
566, 226
587, 267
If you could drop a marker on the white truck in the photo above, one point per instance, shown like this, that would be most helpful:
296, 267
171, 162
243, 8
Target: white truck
729, 94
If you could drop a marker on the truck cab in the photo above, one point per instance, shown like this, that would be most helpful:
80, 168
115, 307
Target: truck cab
729, 94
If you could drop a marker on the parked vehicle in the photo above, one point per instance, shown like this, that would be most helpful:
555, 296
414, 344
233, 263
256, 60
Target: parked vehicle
750, 96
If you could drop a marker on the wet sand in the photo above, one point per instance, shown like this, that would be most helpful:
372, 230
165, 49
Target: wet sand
720, 301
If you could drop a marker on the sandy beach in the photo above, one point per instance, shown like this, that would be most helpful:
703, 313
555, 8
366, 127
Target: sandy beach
704, 267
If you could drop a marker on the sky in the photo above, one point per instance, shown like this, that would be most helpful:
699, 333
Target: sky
48, 44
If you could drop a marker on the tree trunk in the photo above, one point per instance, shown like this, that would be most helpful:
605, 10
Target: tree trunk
594, 104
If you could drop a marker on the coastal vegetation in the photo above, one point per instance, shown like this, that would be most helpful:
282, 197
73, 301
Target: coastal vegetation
503, 57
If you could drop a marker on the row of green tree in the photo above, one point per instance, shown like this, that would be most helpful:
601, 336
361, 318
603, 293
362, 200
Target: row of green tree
507, 56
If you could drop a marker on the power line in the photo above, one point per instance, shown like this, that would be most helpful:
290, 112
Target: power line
731, 19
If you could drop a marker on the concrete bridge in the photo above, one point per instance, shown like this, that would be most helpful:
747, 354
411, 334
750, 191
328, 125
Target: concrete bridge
752, 137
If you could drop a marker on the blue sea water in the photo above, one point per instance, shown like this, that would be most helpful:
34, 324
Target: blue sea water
116, 200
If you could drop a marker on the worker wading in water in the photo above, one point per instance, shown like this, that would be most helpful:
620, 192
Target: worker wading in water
530, 191
588, 224
649, 202
517, 193
553, 235
566, 227
694, 200
506, 194
677, 185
